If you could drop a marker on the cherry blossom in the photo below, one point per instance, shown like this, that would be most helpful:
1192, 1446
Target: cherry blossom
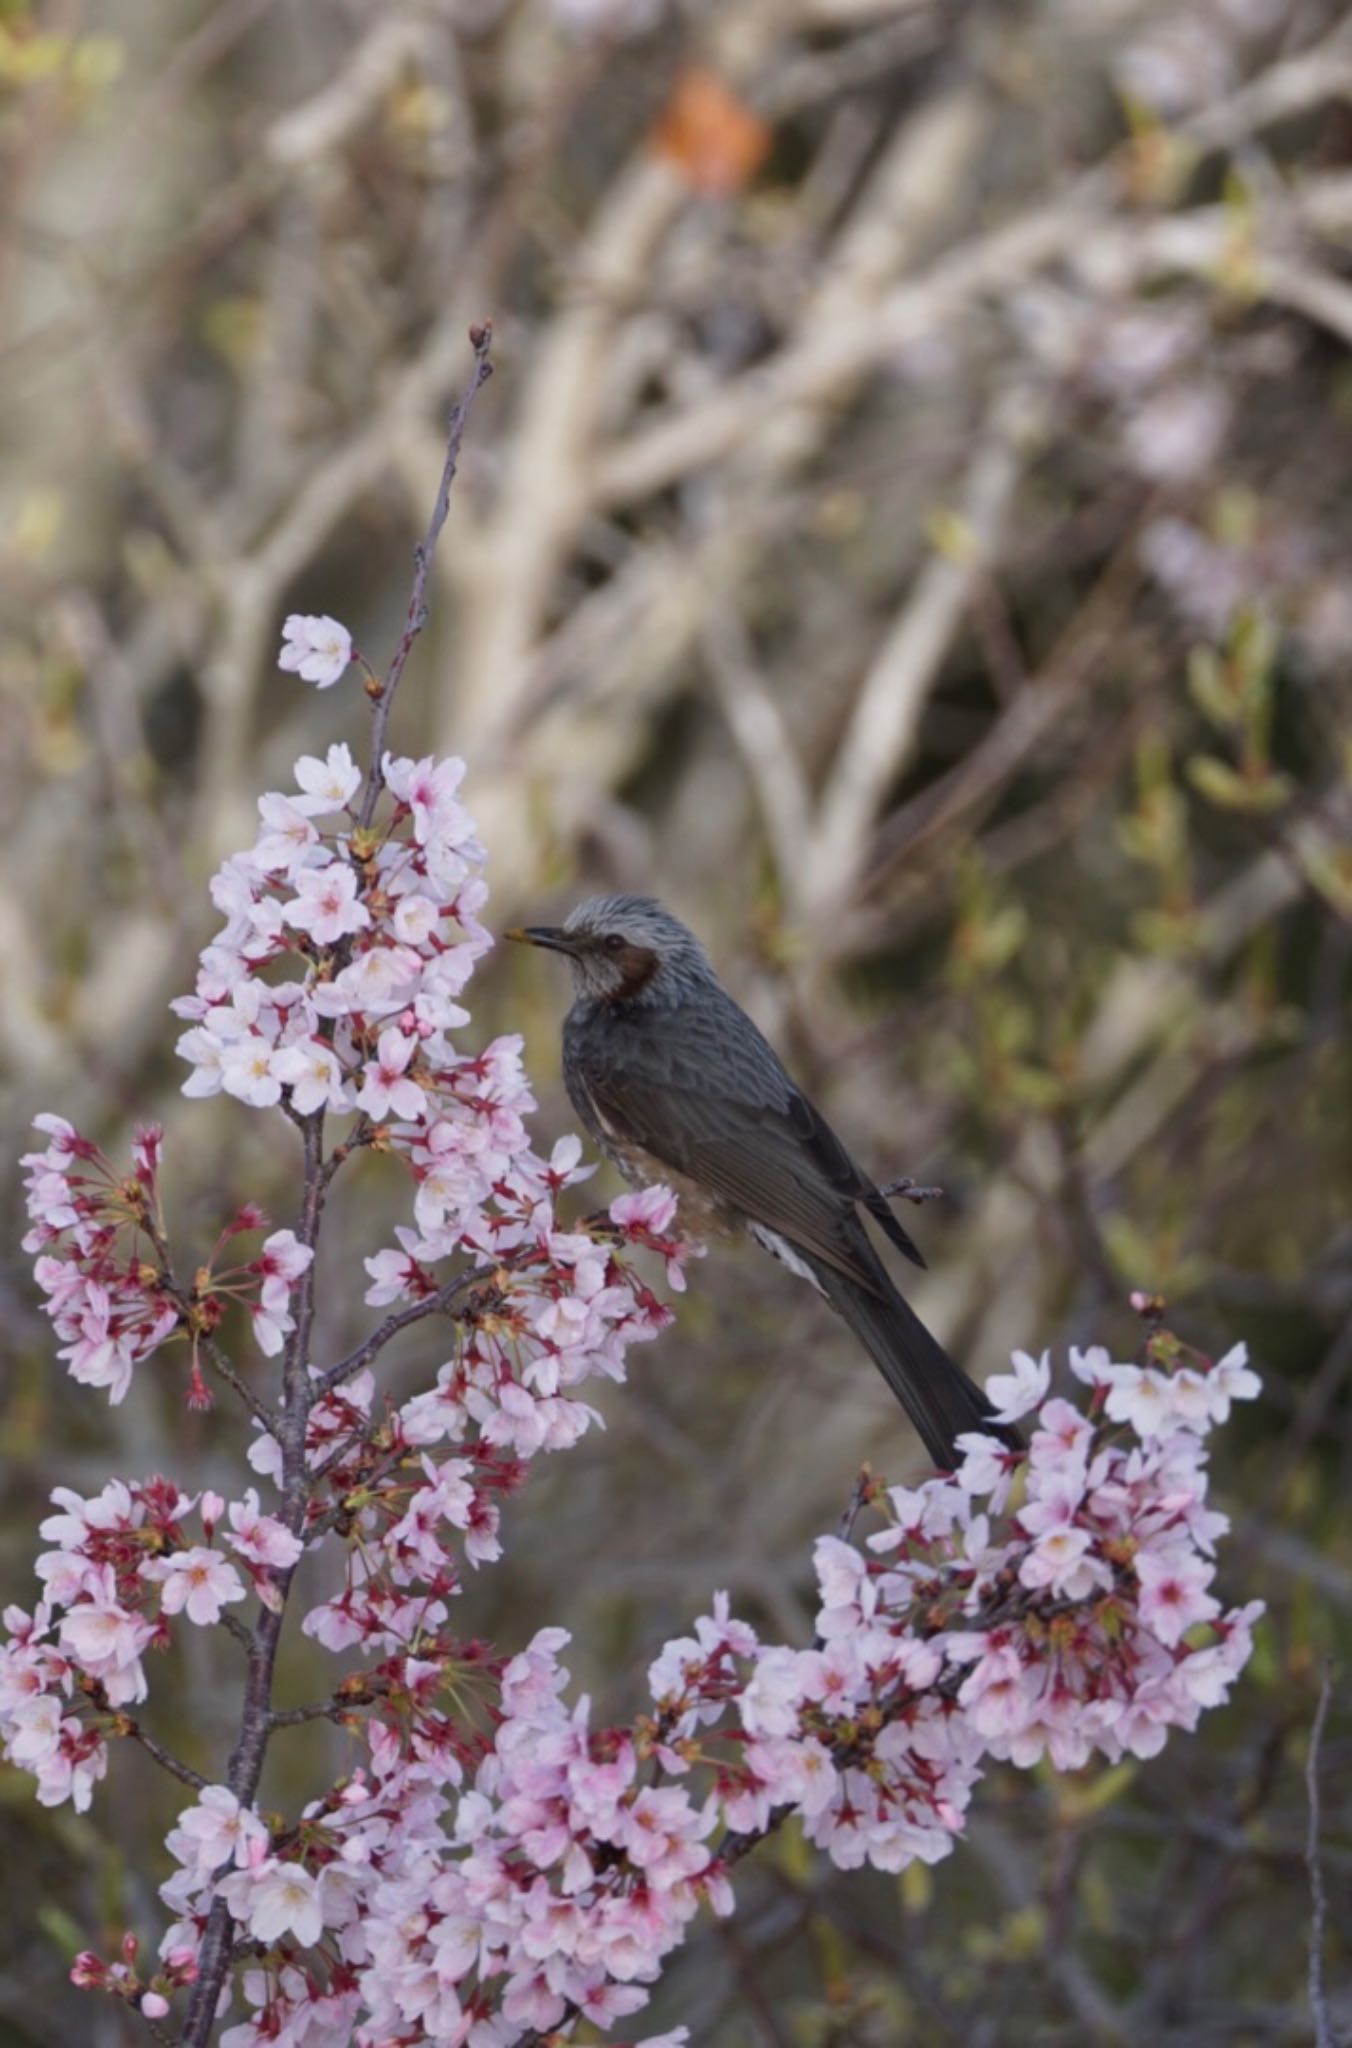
104, 1639
216, 1830
317, 649
196, 1582
1014, 1395
386, 1090
272, 1898
311, 1071
328, 785
261, 1538
325, 904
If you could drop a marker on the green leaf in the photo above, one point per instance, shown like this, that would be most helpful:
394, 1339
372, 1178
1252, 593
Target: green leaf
1077, 1801
1226, 786
1211, 691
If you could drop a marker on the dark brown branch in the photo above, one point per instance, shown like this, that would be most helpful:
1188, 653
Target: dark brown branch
246, 1761
167, 1761
297, 1717
442, 1302
224, 1370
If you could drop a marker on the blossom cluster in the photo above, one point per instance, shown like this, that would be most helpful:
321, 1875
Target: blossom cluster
122, 1566
462, 1887
102, 1263
333, 987
364, 913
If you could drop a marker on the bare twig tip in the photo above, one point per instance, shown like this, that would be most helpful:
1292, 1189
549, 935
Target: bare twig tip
1325, 2036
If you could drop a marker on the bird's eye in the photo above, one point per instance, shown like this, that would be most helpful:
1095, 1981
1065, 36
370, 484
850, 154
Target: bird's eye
613, 942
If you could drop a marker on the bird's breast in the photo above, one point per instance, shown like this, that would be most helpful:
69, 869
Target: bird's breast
702, 1213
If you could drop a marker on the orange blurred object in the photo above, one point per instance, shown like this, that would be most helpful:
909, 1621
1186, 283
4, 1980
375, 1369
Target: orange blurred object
712, 137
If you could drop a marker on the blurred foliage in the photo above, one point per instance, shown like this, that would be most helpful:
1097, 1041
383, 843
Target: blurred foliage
909, 531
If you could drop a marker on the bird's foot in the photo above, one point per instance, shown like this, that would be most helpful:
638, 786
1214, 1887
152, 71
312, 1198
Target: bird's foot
906, 1190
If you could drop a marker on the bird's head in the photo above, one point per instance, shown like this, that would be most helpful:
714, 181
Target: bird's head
625, 949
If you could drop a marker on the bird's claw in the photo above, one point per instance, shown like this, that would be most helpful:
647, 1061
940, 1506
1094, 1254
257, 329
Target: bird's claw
906, 1190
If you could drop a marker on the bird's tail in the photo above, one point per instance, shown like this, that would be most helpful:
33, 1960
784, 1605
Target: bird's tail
935, 1392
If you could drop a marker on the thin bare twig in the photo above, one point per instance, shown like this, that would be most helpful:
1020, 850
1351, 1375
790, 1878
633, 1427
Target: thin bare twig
166, 1760
1319, 2004
297, 1717
481, 338
221, 1366
232, 1624
402, 1319
439, 1303
854, 1506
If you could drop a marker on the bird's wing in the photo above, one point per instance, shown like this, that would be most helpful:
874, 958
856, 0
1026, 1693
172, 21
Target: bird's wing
702, 1092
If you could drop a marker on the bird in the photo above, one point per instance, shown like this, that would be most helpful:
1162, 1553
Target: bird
676, 1084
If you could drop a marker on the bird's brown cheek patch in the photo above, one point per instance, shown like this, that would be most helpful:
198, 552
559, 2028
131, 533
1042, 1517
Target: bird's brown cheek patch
637, 965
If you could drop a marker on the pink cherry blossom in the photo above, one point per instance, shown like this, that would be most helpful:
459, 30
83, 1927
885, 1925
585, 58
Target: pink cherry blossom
387, 1090
261, 1538
1014, 1395
282, 1260
275, 1898
196, 1582
1231, 1380
428, 788
312, 1072
328, 785
317, 649
215, 1831
284, 844
246, 1071
104, 1639
1173, 1592
325, 903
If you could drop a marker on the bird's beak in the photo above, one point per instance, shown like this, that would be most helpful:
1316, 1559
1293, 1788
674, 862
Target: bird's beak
551, 936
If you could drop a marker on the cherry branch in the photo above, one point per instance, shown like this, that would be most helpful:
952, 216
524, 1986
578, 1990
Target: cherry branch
299, 1391
238, 1385
320, 1710
382, 694
127, 1726
439, 1303
204, 1344
442, 1302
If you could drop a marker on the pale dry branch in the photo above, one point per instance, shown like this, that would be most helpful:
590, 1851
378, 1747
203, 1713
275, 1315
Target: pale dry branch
320, 125
887, 711
757, 725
